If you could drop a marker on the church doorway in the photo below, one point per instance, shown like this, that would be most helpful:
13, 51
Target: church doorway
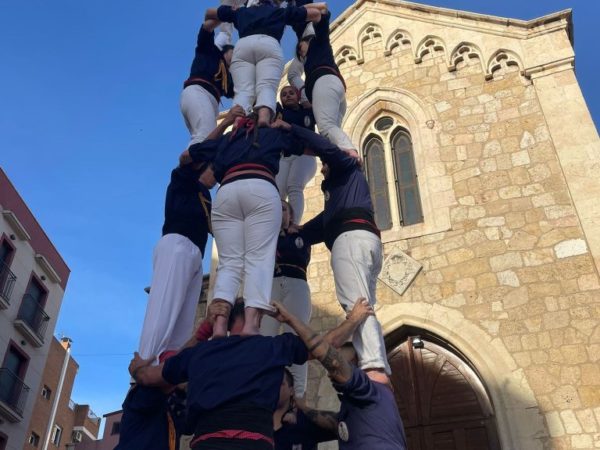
442, 401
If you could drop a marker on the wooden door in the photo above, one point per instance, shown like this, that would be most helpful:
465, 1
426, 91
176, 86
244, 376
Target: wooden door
443, 404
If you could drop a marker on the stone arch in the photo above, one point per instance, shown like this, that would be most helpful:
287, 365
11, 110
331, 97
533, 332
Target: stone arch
369, 32
464, 52
503, 61
345, 55
430, 46
518, 418
398, 39
419, 119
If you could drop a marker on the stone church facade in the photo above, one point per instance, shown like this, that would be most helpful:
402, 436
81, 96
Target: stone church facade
483, 162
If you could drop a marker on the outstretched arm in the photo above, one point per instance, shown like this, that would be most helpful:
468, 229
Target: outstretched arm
340, 334
211, 14
338, 368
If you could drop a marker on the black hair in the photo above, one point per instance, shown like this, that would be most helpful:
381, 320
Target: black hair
237, 312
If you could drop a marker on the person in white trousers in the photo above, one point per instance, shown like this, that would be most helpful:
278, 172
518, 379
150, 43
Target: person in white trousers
295, 171
177, 259
324, 87
348, 229
246, 215
257, 62
209, 80
290, 287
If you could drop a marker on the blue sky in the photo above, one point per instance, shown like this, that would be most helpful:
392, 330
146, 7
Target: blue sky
90, 128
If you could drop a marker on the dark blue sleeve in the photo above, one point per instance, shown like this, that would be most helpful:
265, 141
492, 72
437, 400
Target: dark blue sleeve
291, 145
359, 388
227, 14
175, 370
293, 15
313, 231
290, 348
204, 151
322, 29
329, 153
184, 178
205, 42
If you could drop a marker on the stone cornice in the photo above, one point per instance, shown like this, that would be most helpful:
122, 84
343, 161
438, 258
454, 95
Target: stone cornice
522, 29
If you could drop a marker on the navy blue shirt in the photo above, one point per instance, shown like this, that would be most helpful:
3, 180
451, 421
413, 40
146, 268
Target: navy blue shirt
293, 255
303, 117
369, 414
144, 425
346, 192
236, 147
187, 207
208, 68
262, 19
319, 57
234, 369
303, 435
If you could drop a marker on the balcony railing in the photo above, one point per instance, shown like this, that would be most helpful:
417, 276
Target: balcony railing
13, 393
32, 315
7, 281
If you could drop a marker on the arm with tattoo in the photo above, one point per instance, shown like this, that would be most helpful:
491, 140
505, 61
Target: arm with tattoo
326, 420
334, 362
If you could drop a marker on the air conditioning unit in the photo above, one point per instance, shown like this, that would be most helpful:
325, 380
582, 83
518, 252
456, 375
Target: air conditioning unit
77, 436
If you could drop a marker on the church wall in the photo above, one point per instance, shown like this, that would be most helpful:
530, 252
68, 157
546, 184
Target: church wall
508, 272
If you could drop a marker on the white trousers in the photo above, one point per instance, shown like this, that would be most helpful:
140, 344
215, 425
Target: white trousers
174, 294
246, 218
294, 173
356, 260
329, 108
200, 110
256, 69
294, 294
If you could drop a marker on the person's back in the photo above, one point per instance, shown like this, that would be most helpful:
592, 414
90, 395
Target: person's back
369, 417
233, 387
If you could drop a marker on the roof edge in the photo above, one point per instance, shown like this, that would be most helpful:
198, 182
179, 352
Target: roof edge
566, 14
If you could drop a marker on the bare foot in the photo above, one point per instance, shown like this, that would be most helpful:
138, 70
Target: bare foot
379, 376
220, 327
264, 117
252, 318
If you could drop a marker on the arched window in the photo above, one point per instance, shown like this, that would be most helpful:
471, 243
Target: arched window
376, 175
407, 187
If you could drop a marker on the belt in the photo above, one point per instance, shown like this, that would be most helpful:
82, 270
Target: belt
232, 434
196, 80
248, 169
365, 222
294, 266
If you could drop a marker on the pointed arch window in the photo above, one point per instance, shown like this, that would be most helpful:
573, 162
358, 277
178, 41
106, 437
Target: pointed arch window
407, 187
391, 173
378, 185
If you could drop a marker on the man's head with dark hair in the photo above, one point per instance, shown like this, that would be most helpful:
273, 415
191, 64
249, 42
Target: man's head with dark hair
349, 353
286, 391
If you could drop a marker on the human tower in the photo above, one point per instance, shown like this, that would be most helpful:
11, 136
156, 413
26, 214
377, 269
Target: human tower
244, 381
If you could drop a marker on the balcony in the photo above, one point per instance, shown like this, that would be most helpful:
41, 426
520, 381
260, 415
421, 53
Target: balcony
7, 281
13, 395
32, 321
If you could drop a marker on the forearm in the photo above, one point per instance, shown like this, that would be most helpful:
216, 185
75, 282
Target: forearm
211, 14
323, 419
340, 334
218, 132
333, 361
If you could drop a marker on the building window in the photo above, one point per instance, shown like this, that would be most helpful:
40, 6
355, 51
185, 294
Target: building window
13, 391
388, 152
46, 392
377, 178
407, 188
34, 439
116, 428
31, 311
56, 435
7, 278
